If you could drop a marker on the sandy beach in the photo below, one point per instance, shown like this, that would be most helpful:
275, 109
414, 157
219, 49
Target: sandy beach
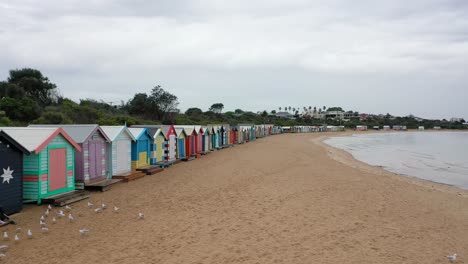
281, 199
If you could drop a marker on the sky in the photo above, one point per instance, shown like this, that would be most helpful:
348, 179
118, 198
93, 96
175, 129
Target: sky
400, 57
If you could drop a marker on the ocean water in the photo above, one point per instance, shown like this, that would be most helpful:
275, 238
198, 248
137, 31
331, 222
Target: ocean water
434, 156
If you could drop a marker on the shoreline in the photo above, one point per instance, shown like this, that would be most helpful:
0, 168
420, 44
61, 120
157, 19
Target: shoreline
348, 159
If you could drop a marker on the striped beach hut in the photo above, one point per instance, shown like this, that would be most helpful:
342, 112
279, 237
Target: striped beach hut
206, 139
200, 139
233, 135
181, 136
11, 173
49, 169
171, 136
216, 137
140, 147
91, 162
120, 149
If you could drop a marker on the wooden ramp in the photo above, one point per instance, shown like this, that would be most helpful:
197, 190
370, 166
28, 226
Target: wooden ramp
164, 164
66, 198
129, 176
150, 170
100, 184
188, 159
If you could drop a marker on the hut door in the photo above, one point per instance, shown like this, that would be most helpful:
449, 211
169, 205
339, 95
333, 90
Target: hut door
57, 169
95, 159
123, 156
172, 147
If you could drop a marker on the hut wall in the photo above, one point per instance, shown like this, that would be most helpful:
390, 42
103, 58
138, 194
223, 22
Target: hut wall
11, 200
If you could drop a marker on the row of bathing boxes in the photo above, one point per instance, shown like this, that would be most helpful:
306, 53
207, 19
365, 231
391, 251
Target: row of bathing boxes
57, 163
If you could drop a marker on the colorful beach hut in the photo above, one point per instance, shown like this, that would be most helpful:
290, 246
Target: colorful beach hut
49, 169
11, 174
200, 139
91, 162
171, 135
120, 149
206, 139
181, 135
140, 147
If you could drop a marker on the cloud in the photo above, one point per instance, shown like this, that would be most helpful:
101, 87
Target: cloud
207, 45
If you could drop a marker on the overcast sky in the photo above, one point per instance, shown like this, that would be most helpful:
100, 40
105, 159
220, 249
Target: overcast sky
372, 56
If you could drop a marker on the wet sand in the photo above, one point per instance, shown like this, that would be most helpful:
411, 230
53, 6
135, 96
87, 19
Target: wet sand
282, 199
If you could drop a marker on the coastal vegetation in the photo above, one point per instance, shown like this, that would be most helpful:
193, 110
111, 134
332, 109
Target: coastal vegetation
27, 96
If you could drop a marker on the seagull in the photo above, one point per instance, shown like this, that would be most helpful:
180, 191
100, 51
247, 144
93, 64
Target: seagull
60, 213
54, 220
5, 236
68, 208
98, 210
44, 229
47, 213
116, 209
29, 234
70, 218
452, 258
141, 216
42, 218
17, 239
84, 231
42, 223
104, 206
49, 207
18, 230
90, 204
2, 255
3, 247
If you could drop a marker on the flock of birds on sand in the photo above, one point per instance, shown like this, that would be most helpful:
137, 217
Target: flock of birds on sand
83, 232
58, 214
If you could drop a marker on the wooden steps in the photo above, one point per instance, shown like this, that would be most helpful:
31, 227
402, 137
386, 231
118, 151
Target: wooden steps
164, 164
66, 198
129, 176
101, 184
150, 170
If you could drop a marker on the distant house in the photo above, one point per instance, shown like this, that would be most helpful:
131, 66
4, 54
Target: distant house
284, 115
421, 128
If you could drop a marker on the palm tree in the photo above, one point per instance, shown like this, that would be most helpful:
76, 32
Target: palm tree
315, 109
280, 108
310, 107
289, 108
324, 107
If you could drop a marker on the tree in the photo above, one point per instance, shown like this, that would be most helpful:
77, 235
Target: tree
310, 107
217, 108
315, 109
273, 111
139, 105
280, 108
35, 85
162, 103
193, 111
289, 108
324, 107
24, 109
238, 111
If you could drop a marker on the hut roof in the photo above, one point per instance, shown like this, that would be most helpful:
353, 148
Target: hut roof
113, 132
34, 139
4, 136
188, 129
79, 133
137, 132
179, 131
